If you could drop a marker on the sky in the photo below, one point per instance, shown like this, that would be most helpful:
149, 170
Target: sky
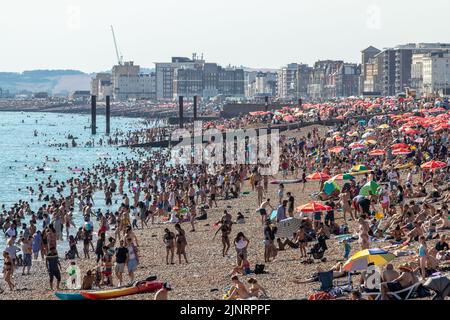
76, 34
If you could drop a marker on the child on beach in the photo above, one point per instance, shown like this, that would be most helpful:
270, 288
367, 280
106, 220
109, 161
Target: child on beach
347, 249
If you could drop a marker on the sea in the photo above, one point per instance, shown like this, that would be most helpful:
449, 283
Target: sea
22, 152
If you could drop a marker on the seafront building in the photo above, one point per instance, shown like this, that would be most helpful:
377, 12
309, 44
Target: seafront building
396, 70
195, 77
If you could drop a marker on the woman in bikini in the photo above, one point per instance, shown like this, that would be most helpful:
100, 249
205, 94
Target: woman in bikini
169, 241
8, 270
226, 230
181, 243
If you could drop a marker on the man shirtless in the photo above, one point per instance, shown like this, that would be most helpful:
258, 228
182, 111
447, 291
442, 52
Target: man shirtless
389, 274
239, 291
405, 280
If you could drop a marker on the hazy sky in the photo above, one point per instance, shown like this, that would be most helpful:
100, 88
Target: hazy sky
75, 34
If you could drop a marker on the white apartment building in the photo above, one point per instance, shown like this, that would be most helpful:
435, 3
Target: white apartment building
287, 81
128, 83
430, 73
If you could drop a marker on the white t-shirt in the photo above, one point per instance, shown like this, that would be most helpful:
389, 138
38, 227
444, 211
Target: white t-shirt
11, 232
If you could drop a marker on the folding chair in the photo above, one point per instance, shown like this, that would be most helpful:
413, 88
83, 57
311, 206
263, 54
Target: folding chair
409, 292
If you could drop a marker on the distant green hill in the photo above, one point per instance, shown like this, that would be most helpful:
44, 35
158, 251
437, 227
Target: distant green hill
51, 81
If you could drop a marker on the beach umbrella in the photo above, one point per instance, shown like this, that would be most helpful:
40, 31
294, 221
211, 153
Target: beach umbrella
361, 260
419, 140
401, 151
313, 206
286, 228
343, 176
399, 146
359, 167
384, 126
336, 149
356, 145
377, 152
369, 188
367, 135
330, 186
353, 134
338, 138
411, 131
318, 176
370, 141
433, 165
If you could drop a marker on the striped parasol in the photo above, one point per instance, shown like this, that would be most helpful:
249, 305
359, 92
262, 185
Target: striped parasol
433, 165
286, 228
318, 176
313, 206
361, 260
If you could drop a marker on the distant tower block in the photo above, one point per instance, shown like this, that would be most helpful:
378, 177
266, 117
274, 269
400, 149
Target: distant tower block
180, 105
108, 116
94, 114
195, 107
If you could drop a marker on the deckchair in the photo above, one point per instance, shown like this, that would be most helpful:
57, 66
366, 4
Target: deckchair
327, 282
397, 294
409, 292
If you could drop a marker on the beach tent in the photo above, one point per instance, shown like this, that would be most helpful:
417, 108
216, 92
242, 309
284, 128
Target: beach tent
286, 228
370, 187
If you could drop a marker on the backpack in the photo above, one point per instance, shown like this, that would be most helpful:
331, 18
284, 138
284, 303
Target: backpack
259, 269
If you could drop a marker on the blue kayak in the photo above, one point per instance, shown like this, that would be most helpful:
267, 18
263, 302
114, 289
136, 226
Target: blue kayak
69, 296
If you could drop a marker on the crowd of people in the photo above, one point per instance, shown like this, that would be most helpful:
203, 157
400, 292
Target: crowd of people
386, 198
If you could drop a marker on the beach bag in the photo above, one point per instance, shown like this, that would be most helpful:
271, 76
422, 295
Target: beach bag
259, 268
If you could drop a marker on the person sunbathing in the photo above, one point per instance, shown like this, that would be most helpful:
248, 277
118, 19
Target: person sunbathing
255, 288
442, 222
406, 279
239, 291
415, 233
243, 268
337, 269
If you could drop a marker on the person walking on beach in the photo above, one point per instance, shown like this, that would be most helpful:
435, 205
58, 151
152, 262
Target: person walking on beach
226, 230
53, 267
121, 261
181, 243
133, 258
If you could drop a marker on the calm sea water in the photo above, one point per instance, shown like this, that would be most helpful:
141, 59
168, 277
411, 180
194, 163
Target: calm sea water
21, 153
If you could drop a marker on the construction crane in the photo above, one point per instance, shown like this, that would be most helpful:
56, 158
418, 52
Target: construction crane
119, 56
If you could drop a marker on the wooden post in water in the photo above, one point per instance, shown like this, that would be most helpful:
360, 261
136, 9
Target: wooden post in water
195, 107
108, 116
180, 115
94, 114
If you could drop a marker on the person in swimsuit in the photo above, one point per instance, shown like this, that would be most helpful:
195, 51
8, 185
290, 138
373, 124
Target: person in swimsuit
8, 270
181, 243
255, 288
423, 257
226, 230
169, 241
241, 244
